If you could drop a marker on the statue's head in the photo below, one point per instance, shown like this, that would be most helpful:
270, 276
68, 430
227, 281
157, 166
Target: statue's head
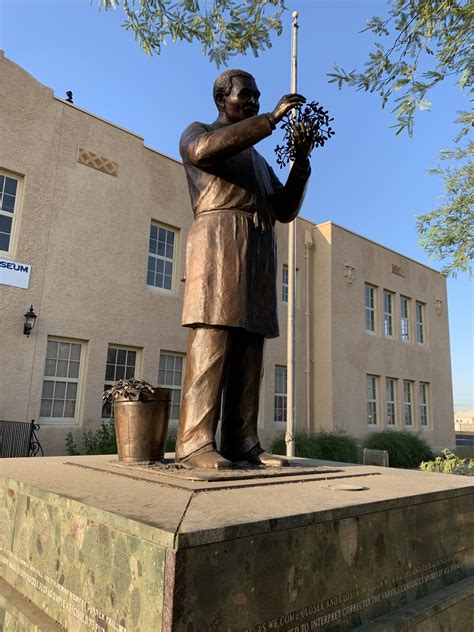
236, 95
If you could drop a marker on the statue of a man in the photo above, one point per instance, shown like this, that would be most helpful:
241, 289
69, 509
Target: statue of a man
230, 299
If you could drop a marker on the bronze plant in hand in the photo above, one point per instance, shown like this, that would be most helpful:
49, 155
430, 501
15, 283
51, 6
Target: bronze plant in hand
310, 119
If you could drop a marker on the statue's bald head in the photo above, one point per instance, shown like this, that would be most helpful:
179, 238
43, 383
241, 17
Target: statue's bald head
223, 83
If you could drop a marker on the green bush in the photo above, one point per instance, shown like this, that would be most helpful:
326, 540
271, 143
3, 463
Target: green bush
405, 449
102, 441
170, 442
328, 446
449, 463
71, 448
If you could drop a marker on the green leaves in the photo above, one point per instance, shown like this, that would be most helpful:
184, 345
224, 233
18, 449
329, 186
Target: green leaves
449, 463
448, 231
433, 35
419, 44
223, 27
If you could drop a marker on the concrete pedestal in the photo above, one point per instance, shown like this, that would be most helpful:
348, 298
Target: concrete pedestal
89, 545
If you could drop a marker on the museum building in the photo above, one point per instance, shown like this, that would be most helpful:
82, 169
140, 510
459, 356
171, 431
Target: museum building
93, 228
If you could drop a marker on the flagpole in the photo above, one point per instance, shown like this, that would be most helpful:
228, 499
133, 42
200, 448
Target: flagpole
291, 330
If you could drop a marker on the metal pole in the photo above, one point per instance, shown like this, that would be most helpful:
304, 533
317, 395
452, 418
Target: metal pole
291, 355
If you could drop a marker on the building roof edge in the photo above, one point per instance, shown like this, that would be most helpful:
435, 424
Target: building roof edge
376, 243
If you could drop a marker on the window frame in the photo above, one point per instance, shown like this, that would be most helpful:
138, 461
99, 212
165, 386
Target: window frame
388, 315
371, 308
79, 381
109, 383
420, 330
424, 404
408, 403
157, 257
280, 396
405, 319
284, 284
173, 387
14, 214
391, 404
372, 402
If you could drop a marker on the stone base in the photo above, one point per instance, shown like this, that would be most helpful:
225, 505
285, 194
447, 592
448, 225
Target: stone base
90, 545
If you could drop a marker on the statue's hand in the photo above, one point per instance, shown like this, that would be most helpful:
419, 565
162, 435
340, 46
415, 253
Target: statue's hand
303, 137
286, 103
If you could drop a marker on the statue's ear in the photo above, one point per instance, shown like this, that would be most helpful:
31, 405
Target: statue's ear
220, 100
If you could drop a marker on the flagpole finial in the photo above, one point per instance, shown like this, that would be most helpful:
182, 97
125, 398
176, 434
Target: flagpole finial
294, 15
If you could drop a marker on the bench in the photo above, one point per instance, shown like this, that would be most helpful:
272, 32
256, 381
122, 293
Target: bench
18, 438
375, 457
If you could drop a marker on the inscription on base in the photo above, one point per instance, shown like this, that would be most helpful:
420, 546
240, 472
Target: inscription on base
322, 613
83, 611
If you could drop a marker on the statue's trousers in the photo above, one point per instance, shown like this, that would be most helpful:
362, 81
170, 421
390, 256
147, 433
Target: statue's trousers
221, 365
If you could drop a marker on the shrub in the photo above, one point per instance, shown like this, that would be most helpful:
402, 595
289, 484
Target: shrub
449, 463
170, 442
102, 441
328, 446
405, 449
71, 448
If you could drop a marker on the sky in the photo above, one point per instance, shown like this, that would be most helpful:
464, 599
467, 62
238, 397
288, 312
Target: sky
365, 178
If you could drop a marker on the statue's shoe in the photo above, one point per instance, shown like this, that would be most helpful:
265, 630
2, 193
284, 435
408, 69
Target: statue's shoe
260, 457
207, 461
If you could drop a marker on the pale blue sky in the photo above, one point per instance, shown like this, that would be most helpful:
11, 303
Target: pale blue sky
365, 178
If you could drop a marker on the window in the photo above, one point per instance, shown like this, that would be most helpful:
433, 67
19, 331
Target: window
170, 375
61, 380
8, 197
284, 284
161, 256
404, 318
390, 392
280, 393
407, 403
388, 313
423, 403
369, 308
420, 331
121, 365
372, 400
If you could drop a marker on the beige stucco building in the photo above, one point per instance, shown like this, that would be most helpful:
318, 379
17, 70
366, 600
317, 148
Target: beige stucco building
464, 423
93, 226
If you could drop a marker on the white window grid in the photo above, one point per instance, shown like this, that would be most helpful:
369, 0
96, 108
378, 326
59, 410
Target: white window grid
9, 190
420, 328
390, 401
371, 400
161, 257
121, 365
170, 375
281, 394
370, 308
284, 284
423, 403
388, 313
404, 318
408, 403
61, 380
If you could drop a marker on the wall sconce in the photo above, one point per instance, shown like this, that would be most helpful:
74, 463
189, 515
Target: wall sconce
30, 319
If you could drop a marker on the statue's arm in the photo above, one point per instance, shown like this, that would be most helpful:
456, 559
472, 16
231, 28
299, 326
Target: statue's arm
205, 148
287, 200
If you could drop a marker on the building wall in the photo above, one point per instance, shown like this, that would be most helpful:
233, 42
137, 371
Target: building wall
85, 233
356, 353
464, 422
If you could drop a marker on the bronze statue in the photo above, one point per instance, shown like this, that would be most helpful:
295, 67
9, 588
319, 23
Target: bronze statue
230, 299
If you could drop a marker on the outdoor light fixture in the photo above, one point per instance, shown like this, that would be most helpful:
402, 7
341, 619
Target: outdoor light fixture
30, 319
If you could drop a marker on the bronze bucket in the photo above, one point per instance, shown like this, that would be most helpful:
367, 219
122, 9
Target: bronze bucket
141, 427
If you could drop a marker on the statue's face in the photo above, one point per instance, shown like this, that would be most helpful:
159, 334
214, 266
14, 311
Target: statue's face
243, 100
